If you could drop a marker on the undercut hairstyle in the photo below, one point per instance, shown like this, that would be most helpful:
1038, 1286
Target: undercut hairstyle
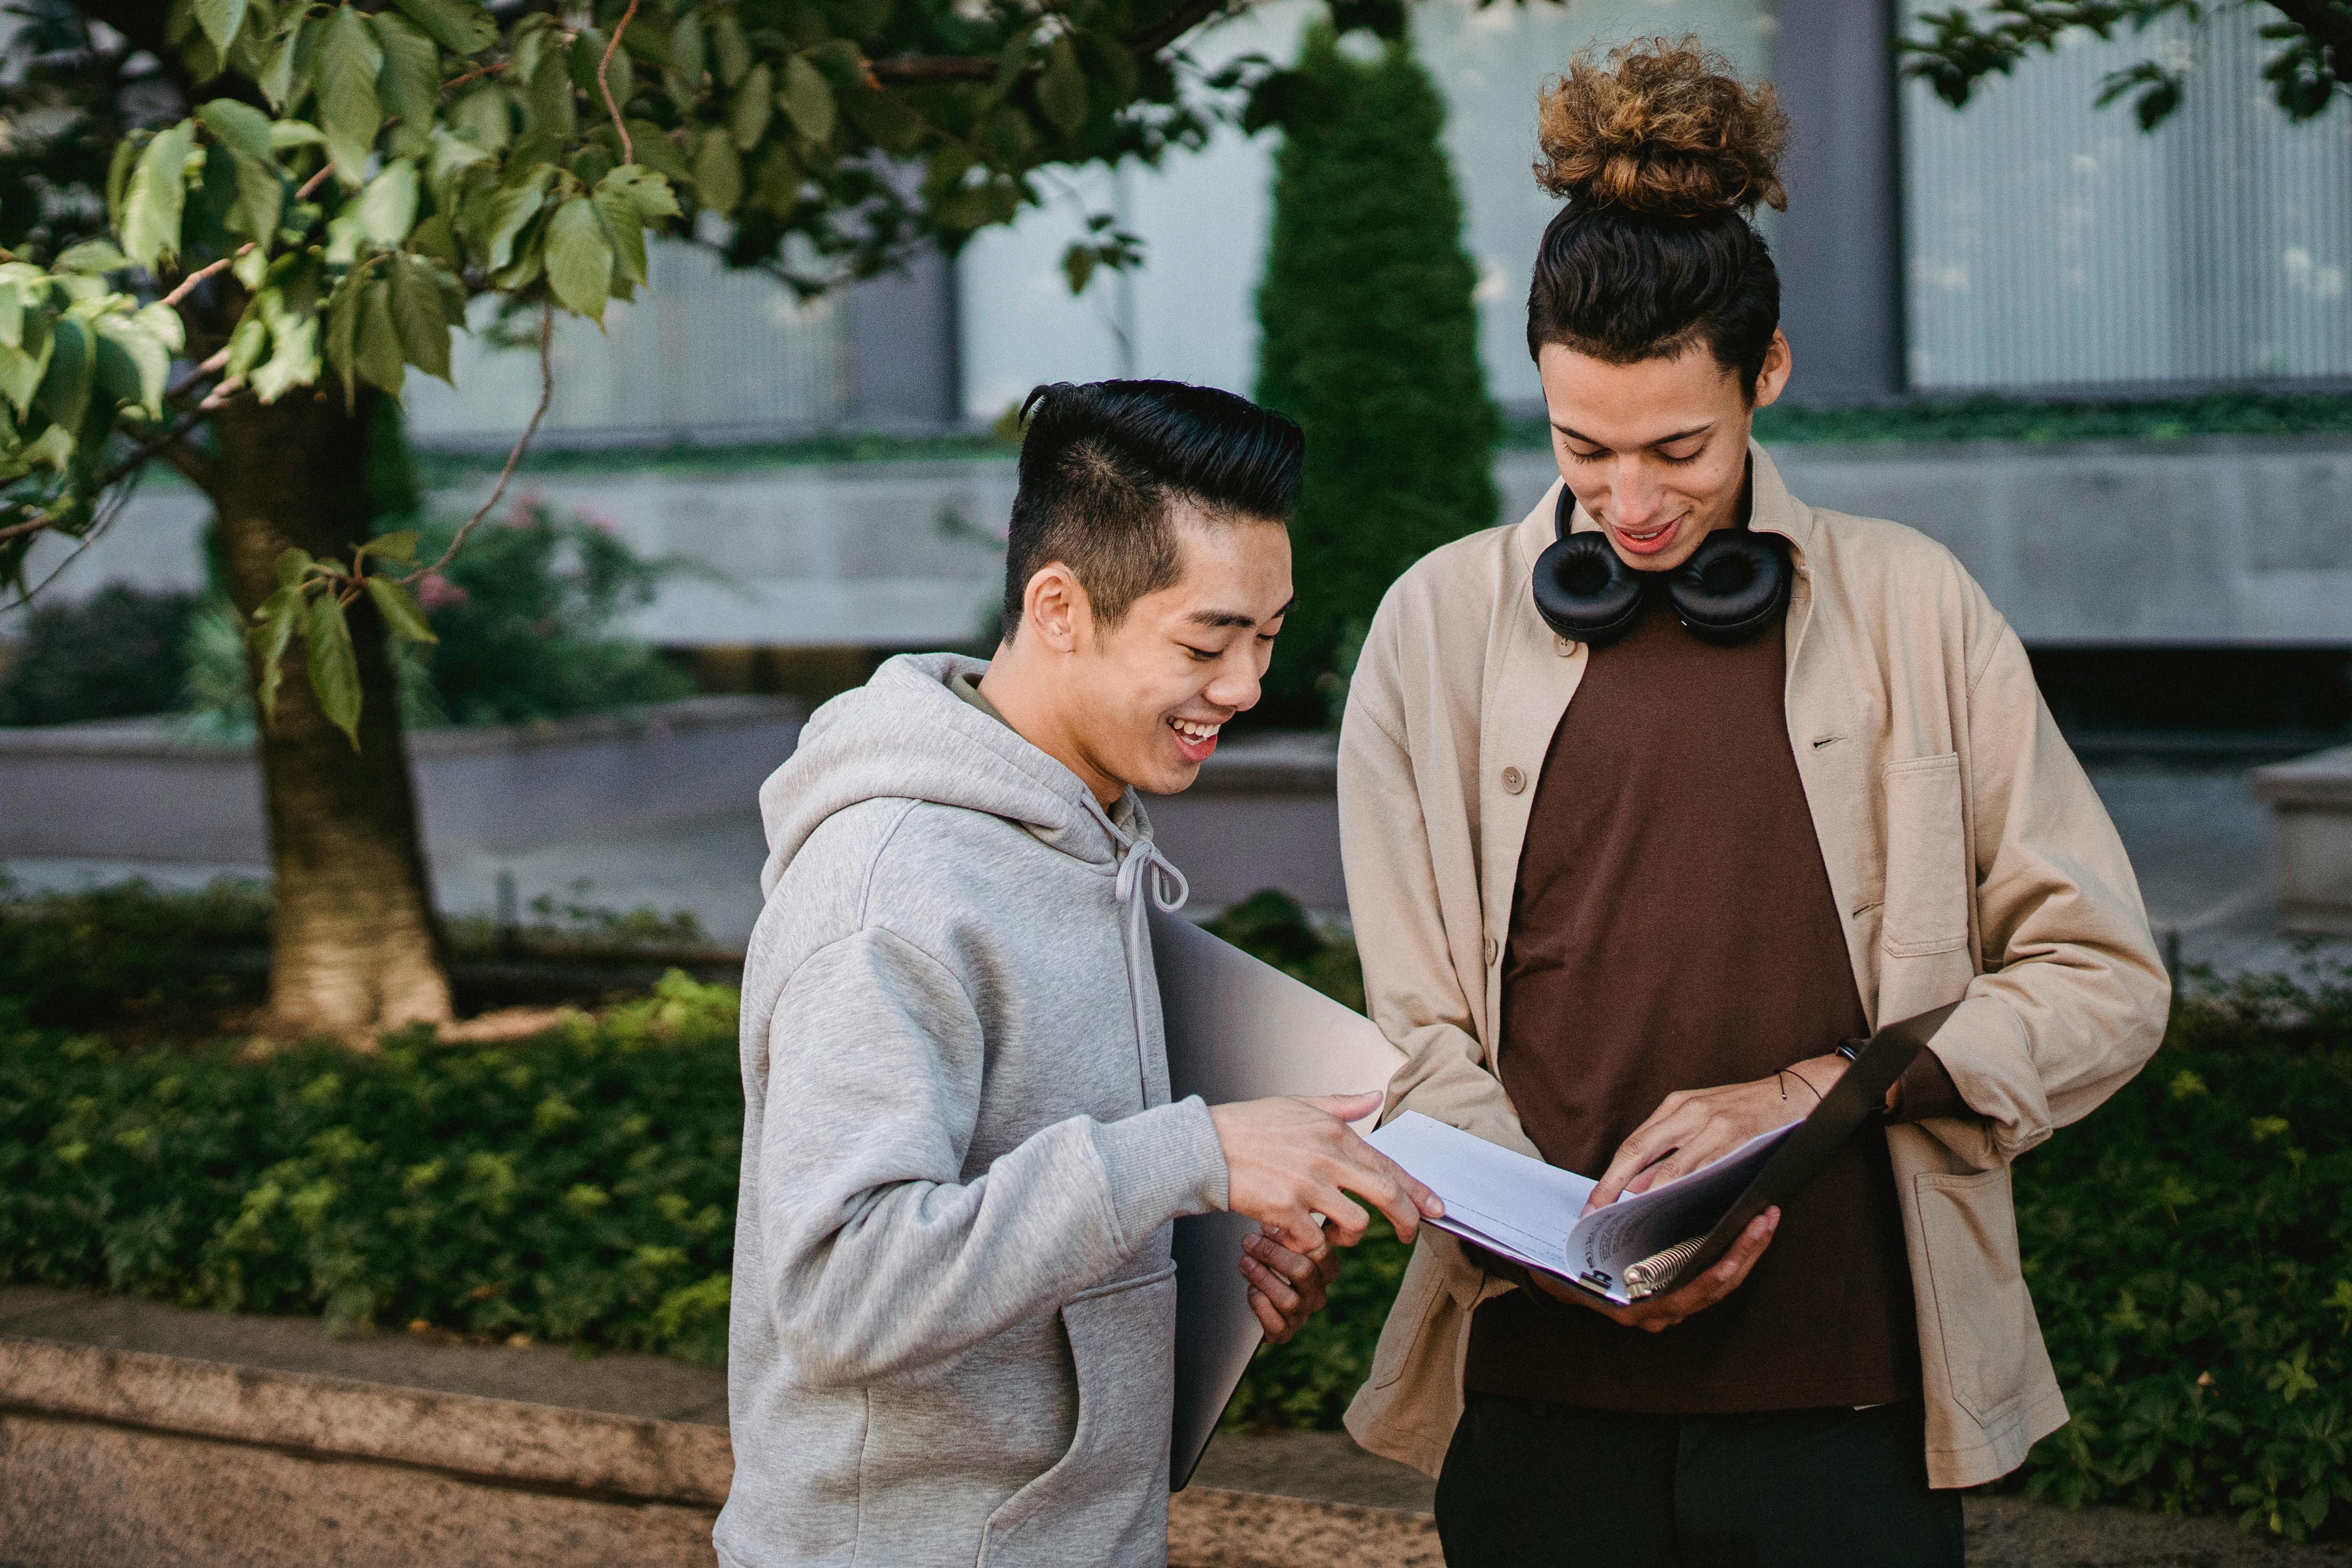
1102, 463
1663, 155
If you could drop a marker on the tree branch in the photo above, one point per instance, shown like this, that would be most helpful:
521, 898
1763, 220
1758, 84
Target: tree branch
546, 396
187, 285
915, 70
604, 82
1150, 42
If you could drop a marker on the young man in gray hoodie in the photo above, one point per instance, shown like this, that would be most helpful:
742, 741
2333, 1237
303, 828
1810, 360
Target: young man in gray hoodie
954, 1303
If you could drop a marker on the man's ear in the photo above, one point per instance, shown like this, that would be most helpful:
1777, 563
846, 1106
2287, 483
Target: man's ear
1055, 608
1774, 374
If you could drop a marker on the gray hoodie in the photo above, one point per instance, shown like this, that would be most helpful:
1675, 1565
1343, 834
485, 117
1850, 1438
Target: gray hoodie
953, 1302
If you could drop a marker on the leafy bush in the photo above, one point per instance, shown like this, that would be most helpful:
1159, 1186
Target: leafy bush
525, 614
2191, 1251
576, 1187
130, 957
115, 655
1371, 341
525, 617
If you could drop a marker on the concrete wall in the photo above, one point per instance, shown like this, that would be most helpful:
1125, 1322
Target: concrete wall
133, 792
2242, 541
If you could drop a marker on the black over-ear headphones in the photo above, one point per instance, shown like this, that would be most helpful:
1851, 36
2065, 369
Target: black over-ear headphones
1733, 586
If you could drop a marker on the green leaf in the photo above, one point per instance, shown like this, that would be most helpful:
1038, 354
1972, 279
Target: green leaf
151, 204
387, 210
277, 79
748, 111
418, 317
807, 99
130, 364
509, 209
400, 610
293, 359
164, 322
685, 50
293, 565
718, 173
1062, 88
378, 357
12, 315
261, 188
64, 393
549, 108
272, 630
646, 192
840, 62
119, 166
246, 343
21, 372
410, 85
730, 54
579, 260
240, 127
92, 257
334, 667
625, 230
349, 59
462, 26
222, 20
399, 547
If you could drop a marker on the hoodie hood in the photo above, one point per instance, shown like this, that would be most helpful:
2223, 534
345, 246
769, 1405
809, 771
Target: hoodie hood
904, 735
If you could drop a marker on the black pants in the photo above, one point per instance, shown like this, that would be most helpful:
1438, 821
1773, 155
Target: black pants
1529, 1484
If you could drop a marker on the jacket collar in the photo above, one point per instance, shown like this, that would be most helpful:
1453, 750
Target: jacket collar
1770, 508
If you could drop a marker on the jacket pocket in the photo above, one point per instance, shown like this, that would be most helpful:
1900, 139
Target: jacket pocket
1106, 1500
1984, 1320
1928, 879
1408, 1319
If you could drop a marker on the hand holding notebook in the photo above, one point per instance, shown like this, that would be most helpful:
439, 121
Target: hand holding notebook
1646, 1243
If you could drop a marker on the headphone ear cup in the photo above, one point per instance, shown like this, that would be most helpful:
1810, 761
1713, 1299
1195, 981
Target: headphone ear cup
1585, 591
1734, 587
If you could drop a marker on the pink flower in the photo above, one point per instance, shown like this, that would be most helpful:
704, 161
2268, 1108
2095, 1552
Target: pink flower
435, 591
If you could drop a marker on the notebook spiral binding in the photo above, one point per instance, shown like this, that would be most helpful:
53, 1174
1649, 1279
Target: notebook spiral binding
1657, 1272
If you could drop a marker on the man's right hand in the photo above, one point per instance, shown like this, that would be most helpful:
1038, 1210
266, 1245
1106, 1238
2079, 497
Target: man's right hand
1288, 1160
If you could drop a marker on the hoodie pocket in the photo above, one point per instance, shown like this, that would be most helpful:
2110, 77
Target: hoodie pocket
1105, 1501
1928, 878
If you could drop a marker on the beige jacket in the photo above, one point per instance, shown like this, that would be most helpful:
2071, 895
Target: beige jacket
1967, 850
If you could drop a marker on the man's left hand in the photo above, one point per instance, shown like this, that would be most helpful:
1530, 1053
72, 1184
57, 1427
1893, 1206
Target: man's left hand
1695, 1128
1285, 1289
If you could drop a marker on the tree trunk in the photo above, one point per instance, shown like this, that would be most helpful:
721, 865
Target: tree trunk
353, 947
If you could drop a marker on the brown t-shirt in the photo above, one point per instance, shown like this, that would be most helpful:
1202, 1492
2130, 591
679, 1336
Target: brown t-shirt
1673, 928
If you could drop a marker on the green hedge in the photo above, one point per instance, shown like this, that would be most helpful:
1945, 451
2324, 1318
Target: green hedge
2189, 1245
577, 1187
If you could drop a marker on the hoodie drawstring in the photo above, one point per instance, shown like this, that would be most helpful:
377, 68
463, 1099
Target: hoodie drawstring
1143, 862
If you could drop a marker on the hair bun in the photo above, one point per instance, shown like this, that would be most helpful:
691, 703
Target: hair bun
1663, 128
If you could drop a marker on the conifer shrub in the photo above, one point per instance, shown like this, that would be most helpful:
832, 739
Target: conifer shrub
1370, 339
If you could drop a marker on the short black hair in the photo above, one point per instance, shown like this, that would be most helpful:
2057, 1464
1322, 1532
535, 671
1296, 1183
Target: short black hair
1101, 462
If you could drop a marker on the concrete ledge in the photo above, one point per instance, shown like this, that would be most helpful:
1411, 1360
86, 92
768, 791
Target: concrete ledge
140, 790
2311, 839
581, 1452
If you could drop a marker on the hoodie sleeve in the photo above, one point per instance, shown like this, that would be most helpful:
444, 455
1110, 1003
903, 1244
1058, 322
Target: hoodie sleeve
882, 1260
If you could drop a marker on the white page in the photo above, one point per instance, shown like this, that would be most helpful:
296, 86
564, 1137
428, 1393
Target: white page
1526, 1206
1533, 1212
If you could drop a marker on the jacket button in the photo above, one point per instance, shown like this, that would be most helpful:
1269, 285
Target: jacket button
1562, 646
1490, 953
1514, 780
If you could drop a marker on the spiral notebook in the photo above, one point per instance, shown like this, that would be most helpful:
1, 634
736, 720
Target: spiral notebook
1648, 1243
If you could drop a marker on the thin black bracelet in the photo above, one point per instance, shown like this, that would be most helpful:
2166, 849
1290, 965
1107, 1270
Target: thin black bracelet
1801, 1078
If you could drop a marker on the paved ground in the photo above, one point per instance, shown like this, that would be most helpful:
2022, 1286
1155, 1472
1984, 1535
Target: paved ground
2198, 838
1323, 1466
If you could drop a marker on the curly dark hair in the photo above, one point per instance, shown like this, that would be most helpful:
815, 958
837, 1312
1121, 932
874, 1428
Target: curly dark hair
1662, 153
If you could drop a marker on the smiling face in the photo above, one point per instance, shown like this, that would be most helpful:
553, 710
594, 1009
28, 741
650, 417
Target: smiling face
1655, 451
1142, 702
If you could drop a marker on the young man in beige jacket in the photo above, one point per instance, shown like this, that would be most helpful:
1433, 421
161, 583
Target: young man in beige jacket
1649, 802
